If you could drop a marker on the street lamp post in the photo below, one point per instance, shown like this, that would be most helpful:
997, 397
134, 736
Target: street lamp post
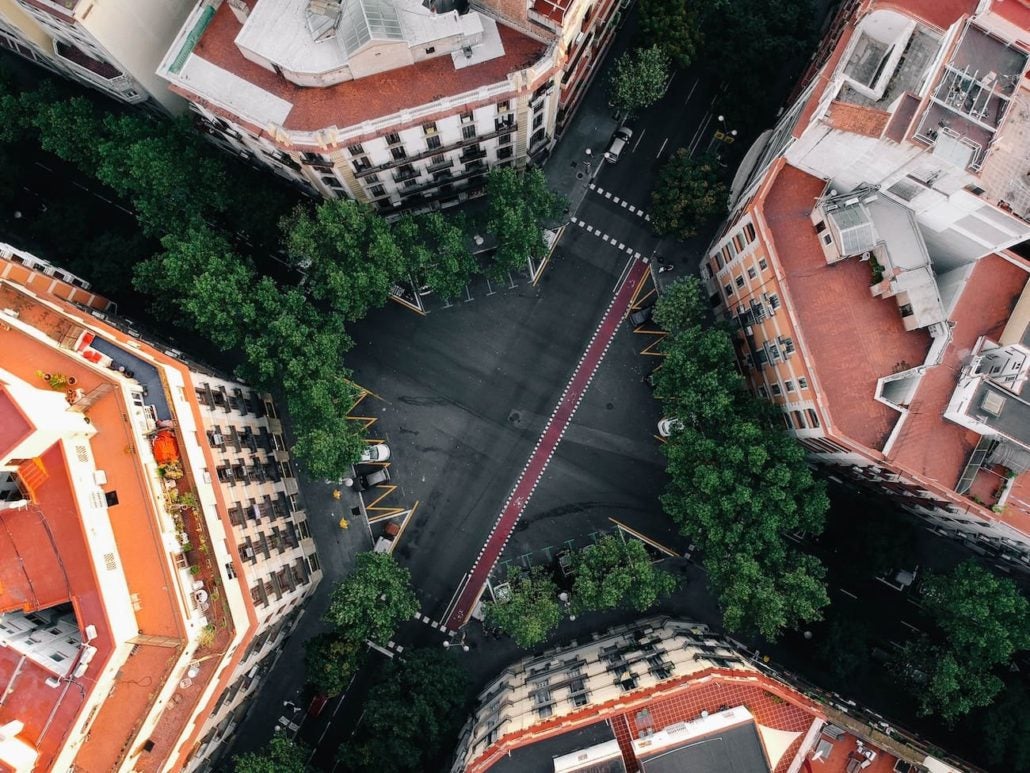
725, 134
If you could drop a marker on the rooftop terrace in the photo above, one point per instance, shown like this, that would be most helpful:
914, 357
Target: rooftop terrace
253, 92
854, 339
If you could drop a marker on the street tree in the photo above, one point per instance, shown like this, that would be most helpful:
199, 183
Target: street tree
520, 206
982, 621
279, 755
681, 306
688, 193
195, 274
638, 79
437, 252
531, 612
983, 616
413, 714
348, 253
330, 660
373, 600
698, 381
614, 572
673, 26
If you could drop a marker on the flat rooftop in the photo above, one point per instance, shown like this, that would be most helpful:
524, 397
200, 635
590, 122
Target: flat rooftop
854, 338
345, 104
539, 757
734, 750
930, 445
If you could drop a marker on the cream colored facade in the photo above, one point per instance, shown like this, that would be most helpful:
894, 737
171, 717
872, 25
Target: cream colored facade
110, 45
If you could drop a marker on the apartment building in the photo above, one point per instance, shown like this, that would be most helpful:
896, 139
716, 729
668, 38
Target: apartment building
400, 103
668, 695
154, 554
866, 263
113, 46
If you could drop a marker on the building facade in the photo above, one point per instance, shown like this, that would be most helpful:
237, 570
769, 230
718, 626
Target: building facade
154, 552
402, 104
113, 46
664, 695
867, 263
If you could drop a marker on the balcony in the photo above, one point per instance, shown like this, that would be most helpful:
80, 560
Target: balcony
94, 67
367, 170
472, 154
405, 174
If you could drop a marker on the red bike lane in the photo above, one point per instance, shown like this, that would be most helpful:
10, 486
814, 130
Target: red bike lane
553, 431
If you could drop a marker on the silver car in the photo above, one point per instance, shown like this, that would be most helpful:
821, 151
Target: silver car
619, 141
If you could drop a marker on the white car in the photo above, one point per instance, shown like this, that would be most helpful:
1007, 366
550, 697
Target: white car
377, 453
667, 426
619, 141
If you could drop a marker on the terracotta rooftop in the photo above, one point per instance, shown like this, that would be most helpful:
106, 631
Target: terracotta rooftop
853, 338
14, 425
353, 102
552, 9
857, 119
929, 444
43, 562
938, 13
772, 704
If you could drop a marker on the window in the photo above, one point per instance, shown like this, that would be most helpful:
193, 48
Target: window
776, 390
393, 138
429, 128
468, 132
410, 183
467, 117
372, 178
738, 281
504, 106
803, 382
789, 385
762, 391
376, 191
763, 264
504, 152
361, 164
504, 139
752, 273
356, 150
728, 289
111, 497
433, 141
749, 232
813, 417
774, 301
538, 120
431, 50
398, 153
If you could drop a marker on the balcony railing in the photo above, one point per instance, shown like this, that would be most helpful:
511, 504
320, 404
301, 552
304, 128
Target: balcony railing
435, 151
472, 155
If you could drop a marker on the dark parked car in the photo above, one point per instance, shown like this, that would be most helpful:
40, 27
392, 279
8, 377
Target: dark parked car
640, 316
374, 478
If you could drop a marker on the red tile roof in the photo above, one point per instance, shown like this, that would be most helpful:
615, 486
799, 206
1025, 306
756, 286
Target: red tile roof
928, 444
937, 13
352, 102
853, 339
857, 119
14, 425
555, 11
840, 756
772, 704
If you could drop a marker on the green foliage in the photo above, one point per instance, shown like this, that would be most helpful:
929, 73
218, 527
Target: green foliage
412, 716
348, 252
532, 612
983, 620
983, 616
279, 755
372, 600
330, 661
520, 207
436, 252
845, 648
614, 572
671, 25
750, 45
688, 193
638, 79
1003, 728
738, 483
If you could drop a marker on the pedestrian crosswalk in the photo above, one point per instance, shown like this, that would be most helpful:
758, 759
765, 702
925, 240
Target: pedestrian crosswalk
631, 208
621, 246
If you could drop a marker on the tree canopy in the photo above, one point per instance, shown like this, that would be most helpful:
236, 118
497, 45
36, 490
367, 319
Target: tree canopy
982, 620
520, 206
330, 660
739, 485
437, 252
532, 612
688, 193
372, 600
672, 25
279, 755
614, 572
638, 79
412, 715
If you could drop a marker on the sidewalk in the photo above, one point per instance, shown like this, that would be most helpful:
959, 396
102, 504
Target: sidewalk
569, 169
